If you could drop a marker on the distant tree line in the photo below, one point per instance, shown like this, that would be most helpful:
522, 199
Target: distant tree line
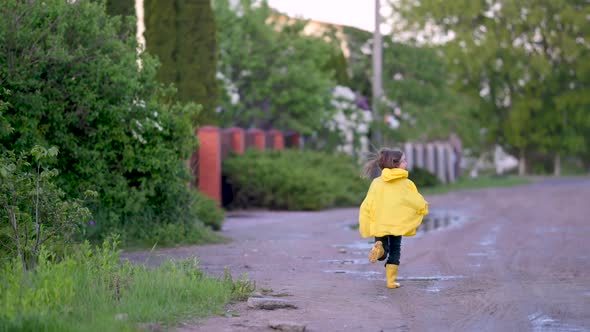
526, 64
513, 74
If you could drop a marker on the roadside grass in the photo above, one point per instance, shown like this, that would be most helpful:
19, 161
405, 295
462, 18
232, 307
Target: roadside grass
477, 183
90, 290
573, 168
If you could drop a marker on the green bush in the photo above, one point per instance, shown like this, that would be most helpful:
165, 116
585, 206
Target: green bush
423, 178
294, 180
33, 211
209, 212
90, 290
71, 79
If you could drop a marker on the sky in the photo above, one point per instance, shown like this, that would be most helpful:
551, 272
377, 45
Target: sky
355, 13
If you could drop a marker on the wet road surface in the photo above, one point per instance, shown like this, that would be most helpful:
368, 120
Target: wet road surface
504, 259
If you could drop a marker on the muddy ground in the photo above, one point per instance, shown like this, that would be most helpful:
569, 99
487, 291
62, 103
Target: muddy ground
503, 259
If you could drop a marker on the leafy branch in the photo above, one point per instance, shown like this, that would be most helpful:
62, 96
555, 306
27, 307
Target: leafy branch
33, 210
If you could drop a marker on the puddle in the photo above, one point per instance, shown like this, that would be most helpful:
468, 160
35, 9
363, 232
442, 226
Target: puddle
350, 224
367, 275
546, 230
356, 245
488, 242
381, 275
346, 261
435, 220
543, 323
431, 278
478, 256
439, 219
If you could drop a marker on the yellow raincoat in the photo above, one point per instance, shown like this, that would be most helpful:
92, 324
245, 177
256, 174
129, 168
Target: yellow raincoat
393, 206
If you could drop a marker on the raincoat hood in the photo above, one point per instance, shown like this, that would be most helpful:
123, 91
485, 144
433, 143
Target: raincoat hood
390, 174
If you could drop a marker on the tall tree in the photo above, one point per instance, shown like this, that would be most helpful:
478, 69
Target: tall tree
559, 34
182, 33
521, 59
274, 74
126, 10
121, 7
359, 61
416, 82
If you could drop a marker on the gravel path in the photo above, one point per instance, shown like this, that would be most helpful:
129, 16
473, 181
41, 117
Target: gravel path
503, 259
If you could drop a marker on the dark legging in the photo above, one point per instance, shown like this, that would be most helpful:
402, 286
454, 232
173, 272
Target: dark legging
392, 246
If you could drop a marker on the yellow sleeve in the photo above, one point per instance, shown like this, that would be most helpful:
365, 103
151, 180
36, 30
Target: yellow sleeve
423, 203
424, 211
366, 214
412, 186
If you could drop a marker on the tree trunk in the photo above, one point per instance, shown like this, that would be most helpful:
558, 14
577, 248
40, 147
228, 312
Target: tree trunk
19, 247
557, 165
522, 163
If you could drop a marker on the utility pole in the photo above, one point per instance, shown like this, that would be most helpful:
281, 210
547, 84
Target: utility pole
377, 76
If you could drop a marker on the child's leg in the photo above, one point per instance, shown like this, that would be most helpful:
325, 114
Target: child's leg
394, 244
393, 248
385, 241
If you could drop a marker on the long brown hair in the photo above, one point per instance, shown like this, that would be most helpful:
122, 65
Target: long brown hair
385, 158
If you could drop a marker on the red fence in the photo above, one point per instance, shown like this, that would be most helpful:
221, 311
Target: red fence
216, 144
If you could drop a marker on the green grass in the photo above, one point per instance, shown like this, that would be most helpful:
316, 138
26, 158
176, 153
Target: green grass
477, 183
573, 168
91, 291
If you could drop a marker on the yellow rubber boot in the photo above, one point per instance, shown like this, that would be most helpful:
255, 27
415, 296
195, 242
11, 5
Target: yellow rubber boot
376, 252
391, 274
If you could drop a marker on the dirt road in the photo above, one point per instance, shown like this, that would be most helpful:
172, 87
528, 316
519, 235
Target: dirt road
504, 259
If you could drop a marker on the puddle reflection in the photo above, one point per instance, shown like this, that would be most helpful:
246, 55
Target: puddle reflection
346, 261
367, 275
359, 245
436, 219
439, 220
378, 275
